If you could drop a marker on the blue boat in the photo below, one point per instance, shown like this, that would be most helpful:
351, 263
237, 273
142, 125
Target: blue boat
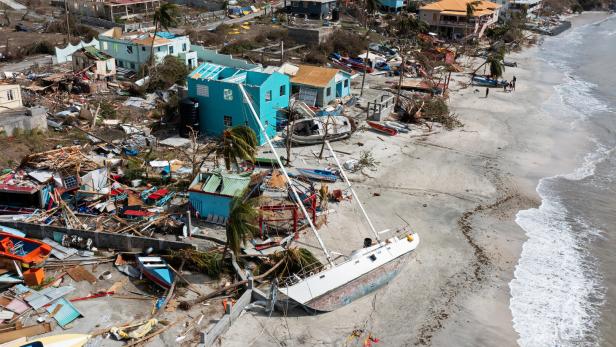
156, 270
319, 175
488, 82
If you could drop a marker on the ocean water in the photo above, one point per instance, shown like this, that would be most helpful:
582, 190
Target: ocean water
561, 292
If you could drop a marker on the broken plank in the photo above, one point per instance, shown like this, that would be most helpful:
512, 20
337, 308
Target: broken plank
78, 274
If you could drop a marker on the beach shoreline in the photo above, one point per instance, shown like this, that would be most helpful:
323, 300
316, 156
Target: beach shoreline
461, 191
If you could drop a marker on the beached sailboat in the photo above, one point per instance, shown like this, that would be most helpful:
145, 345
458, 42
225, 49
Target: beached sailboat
156, 270
312, 131
24, 250
365, 270
63, 340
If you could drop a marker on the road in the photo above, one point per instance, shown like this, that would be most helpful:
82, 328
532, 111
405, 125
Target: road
214, 25
27, 63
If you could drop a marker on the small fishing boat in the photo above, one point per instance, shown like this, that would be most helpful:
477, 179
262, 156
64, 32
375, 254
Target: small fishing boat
63, 340
24, 250
157, 270
319, 175
312, 131
482, 81
383, 128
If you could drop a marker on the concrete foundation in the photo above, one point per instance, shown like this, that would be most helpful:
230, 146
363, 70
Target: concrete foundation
100, 239
23, 119
310, 35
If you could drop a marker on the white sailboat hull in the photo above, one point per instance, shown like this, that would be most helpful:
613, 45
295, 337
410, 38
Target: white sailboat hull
366, 270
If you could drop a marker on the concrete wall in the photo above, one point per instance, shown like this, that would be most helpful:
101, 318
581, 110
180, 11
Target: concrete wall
310, 36
101, 239
65, 54
10, 97
212, 56
209, 338
23, 119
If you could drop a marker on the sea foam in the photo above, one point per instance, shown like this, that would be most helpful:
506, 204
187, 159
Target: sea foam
556, 292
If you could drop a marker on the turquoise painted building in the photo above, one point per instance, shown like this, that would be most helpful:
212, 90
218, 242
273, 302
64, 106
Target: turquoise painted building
318, 86
222, 104
210, 194
132, 50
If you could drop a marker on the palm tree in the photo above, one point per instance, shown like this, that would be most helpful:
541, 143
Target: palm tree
241, 225
164, 17
497, 66
238, 143
470, 13
495, 60
371, 7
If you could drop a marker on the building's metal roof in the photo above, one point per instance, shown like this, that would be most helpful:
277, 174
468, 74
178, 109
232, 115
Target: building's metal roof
315, 76
65, 314
226, 184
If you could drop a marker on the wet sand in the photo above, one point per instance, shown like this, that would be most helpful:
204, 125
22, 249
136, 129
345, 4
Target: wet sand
460, 190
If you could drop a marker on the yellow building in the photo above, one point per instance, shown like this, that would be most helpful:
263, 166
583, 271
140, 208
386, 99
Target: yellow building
449, 17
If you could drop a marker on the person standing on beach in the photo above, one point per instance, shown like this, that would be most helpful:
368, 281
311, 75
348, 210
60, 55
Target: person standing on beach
513, 83
505, 88
487, 92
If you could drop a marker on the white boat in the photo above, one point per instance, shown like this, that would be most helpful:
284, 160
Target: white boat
312, 131
365, 270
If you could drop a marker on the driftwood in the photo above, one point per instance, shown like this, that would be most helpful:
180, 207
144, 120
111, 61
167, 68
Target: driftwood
147, 337
187, 304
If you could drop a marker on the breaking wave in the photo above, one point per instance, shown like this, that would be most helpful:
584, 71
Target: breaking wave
557, 292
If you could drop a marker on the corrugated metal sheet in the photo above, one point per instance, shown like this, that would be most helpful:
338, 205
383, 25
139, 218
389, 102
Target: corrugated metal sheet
234, 185
17, 306
211, 186
47, 295
65, 314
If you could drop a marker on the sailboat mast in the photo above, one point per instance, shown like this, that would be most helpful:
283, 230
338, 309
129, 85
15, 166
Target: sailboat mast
361, 206
286, 175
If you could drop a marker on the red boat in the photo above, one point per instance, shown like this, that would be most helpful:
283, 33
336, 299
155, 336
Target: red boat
383, 128
26, 251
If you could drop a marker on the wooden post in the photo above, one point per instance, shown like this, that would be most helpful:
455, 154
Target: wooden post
68, 29
400, 80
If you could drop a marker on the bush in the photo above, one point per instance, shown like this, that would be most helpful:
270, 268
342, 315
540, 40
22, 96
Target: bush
347, 42
239, 47
171, 71
316, 57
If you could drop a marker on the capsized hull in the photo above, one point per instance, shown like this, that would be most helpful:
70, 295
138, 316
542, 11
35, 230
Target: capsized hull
367, 270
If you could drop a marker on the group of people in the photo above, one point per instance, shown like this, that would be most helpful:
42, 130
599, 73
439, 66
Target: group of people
508, 87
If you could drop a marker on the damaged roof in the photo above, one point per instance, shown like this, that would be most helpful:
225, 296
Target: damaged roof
458, 7
314, 75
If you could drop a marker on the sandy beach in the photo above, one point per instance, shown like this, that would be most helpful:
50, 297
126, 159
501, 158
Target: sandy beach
460, 190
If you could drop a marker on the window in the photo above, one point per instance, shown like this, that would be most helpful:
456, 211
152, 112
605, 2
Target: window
268, 95
132, 66
346, 83
183, 47
158, 49
228, 94
115, 47
203, 90
105, 45
328, 92
170, 49
283, 90
9, 95
227, 121
129, 49
143, 48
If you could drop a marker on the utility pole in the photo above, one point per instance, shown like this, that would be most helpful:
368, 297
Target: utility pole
363, 79
401, 76
68, 29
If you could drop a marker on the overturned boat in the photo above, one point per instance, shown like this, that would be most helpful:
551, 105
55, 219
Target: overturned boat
312, 131
364, 271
